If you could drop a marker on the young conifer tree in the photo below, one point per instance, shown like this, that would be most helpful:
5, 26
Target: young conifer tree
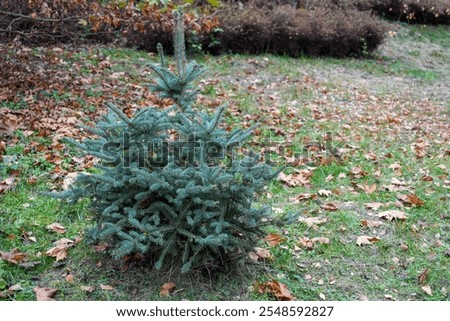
169, 185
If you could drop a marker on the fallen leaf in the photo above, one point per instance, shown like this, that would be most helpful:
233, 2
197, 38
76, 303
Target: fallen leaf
397, 168
369, 189
371, 223
357, 172
106, 287
322, 296
398, 182
392, 214
298, 178
309, 243
312, 221
27, 236
366, 240
263, 253
7, 184
324, 192
8, 126
56, 227
13, 256
323, 240
69, 278
278, 289
329, 207
423, 276
60, 250
101, 247
44, 294
374, 206
274, 239
88, 289
253, 256
300, 198
410, 200
166, 288
427, 289
15, 287
69, 179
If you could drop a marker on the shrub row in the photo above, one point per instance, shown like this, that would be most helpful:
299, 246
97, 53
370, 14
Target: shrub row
289, 31
412, 11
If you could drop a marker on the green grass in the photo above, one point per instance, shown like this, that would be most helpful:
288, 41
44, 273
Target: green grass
340, 270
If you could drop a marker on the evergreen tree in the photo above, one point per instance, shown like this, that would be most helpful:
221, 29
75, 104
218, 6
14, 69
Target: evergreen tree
169, 183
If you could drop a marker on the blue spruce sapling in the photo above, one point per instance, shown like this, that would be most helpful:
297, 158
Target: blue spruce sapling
169, 185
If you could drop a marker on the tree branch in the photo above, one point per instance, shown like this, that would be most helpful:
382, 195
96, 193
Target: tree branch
13, 14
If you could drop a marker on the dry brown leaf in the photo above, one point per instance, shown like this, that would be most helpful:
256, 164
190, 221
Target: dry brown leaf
371, 223
88, 289
101, 247
301, 197
106, 287
329, 207
392, 214
366, 240
13, 256
166, 288
8, 126
69, 179
44, 294
274, 239
323, 240
253, 256
309, 243
374, 206
414, 200
312, 221
7, 184
398, 182
69, 278
262, 253
15, 287
56, 227
427, 289
60, 250
299, 178
397, 168
324, 192
423, 276
357, 172
369, 189
278, 289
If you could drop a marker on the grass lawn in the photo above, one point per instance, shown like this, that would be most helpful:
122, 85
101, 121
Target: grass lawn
360, 138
